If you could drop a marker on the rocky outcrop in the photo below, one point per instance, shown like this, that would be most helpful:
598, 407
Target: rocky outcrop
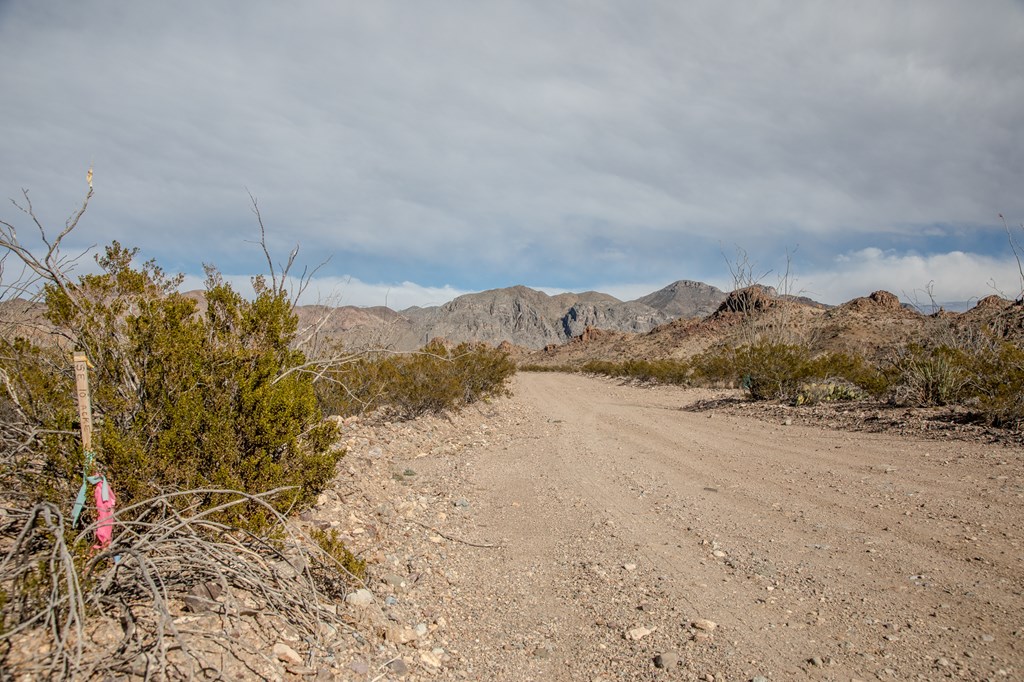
885, 299
748, 300
993, 302
629, 317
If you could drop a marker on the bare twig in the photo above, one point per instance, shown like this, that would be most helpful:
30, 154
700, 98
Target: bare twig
456, 539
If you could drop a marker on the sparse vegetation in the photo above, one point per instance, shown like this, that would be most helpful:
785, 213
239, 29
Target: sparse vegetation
769, 371
436, 379
659, 371
202, 427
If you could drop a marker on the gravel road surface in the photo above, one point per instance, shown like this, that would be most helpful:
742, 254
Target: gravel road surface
728, 548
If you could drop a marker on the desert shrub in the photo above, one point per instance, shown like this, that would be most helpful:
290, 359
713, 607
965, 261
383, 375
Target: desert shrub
988, 377
716, 368
657, 371
532, 367
436, 379
182, 400
603, 367
999, 384
187, 405
335, 548
773, 371
931, 376
996, 383
825, 392
660, 371
851, 369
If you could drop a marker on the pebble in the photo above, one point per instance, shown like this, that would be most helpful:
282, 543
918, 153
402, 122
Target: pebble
706, 625
398, 666
666, 660
461, 503
360, 598
630, 567
638, 633
759, 678
431, 659
359, 667
286, 654
301, 670
398, 634
395, 581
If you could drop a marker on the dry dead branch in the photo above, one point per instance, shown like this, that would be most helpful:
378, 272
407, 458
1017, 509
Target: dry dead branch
126, 609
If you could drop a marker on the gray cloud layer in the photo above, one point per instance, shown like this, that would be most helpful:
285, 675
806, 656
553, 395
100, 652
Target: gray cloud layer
486, 144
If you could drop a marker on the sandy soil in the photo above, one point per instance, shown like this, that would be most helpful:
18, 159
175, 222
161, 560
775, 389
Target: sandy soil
627, 527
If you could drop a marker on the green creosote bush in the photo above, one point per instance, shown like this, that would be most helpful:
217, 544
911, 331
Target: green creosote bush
853, 370
333, 546
183, 400
530, 367
773, 371
770, 371
657, 371
436, 379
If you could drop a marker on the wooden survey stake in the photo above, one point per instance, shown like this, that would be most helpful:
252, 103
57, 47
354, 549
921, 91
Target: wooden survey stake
84, 403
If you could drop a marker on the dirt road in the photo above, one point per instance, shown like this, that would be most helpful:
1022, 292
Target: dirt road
630, 527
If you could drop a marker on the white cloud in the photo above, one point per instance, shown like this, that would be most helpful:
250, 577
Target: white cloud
491, 142
955, 276
342, 291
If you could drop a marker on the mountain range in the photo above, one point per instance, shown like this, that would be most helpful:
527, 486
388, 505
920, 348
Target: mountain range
517, 315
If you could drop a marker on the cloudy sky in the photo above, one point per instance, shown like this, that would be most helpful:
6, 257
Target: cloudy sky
432, 149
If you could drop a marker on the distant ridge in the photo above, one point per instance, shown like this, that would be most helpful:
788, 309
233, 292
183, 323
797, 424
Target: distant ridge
519, 315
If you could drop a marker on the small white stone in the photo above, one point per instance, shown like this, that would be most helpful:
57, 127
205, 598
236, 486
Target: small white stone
360, 598
638, 633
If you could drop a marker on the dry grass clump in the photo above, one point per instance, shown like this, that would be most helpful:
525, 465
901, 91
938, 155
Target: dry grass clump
132, 608
986, 377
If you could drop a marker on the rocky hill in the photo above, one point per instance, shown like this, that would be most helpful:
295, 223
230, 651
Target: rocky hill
685, 298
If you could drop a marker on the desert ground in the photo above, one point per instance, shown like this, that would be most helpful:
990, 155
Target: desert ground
586, 529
